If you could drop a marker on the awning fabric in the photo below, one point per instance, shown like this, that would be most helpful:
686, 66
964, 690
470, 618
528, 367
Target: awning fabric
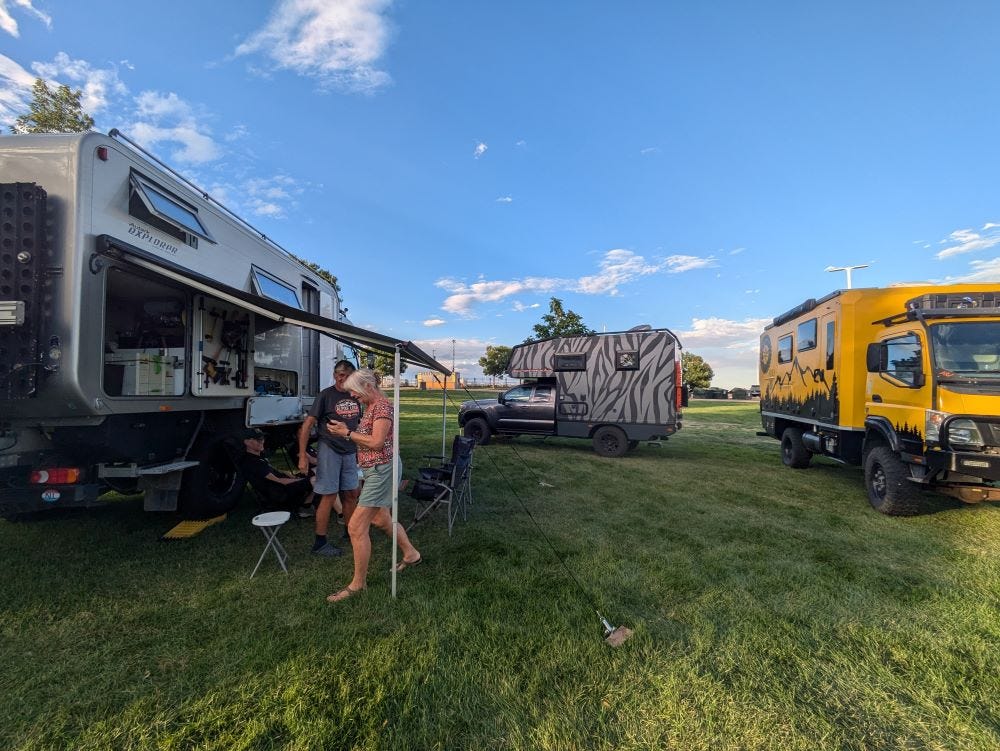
345, 333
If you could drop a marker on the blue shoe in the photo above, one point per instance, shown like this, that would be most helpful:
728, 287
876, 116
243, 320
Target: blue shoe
328, 551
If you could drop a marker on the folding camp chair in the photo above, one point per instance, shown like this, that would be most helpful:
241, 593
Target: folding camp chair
449, 485
444, 471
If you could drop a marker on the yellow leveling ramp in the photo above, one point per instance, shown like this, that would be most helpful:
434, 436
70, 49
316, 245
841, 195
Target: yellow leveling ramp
190, 528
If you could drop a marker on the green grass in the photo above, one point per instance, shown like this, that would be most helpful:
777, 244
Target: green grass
772, 609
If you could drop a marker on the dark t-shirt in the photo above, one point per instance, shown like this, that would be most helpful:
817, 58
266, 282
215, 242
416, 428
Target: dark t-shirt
256, 468
333, 404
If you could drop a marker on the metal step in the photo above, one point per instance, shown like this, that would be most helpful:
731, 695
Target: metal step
134, 470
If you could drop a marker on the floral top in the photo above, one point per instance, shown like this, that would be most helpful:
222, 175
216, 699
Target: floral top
380, 410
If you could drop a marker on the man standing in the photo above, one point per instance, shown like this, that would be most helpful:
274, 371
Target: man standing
337, 462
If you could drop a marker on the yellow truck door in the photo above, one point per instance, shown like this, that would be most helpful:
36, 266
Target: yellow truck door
900, 390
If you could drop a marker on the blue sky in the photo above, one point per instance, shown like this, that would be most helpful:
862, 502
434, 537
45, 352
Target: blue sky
689, 165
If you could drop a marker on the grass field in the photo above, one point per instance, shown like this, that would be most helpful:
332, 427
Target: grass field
772, 609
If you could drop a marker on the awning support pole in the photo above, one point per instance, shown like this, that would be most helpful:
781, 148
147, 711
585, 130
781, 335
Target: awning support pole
395, 464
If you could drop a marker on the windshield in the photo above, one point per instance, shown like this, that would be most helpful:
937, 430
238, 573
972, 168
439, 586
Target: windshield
969, 349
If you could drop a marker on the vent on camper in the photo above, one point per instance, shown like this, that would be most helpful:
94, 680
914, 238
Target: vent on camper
23, 252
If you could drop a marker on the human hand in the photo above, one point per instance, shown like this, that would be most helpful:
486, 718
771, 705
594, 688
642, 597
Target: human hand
337, 428
303, 462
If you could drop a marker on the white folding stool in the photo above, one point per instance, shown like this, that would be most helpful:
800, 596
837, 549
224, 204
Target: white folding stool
269, 524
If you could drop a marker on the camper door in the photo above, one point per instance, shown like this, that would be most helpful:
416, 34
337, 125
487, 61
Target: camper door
223, 336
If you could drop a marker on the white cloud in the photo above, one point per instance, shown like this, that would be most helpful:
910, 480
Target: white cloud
15, 90
982, 271
680, 264
479, 150
617, 267
100, 86
338, 43
505, 199
467, 353
730, 347
166, 118
968, 241
650, 150
990, 225
736, 251
7, 22
521, 143
431, 322
520, 307
270, 196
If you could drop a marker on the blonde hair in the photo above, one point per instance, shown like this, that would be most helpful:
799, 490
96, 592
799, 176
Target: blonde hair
363, 381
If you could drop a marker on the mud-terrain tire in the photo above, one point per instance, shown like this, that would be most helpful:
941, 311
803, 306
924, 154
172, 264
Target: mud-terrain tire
610, 441
478, 430
890, 490
215, 486
794, 453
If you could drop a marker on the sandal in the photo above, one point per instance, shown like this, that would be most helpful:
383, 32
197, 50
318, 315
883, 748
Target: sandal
403, 565
344, 594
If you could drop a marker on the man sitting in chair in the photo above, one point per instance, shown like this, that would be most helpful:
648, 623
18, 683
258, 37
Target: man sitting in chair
276, 488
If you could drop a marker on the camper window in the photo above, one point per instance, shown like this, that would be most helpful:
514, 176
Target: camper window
829, 345
627, 360
807, 335
268, 286
570, 362
160, 208
785, 349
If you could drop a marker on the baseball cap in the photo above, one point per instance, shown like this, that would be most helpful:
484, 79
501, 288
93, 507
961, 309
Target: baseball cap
253, 433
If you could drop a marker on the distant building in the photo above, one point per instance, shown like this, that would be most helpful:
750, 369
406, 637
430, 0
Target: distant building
437, 381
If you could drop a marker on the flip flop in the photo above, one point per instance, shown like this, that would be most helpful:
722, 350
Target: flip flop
344, 594
403, 565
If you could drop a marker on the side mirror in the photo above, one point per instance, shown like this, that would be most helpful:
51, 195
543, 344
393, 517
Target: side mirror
919, 379
502, 398
876, 357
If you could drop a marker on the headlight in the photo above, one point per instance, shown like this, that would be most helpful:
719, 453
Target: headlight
960, 432
965, 433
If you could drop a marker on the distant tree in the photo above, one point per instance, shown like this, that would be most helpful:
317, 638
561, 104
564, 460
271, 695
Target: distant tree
559, 322
321, 272
494, 362
385, 365
697, 373
56, 111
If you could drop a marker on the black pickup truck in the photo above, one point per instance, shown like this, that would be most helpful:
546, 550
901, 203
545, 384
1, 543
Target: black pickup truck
530, 409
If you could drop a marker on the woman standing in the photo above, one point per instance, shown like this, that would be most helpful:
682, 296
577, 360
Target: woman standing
373, 438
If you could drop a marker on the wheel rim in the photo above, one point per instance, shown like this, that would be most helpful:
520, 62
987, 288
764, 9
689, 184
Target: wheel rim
879, 483
221, 474
610, 442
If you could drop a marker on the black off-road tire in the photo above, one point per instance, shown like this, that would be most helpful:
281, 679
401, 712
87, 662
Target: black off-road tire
794, 453
478, 430
610, 441
216, 485
890, 490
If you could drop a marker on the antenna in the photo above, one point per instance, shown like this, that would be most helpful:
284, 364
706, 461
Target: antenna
848, 270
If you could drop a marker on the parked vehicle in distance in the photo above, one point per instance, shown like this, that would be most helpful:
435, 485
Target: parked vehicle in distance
755, 391
614, 388
904, 381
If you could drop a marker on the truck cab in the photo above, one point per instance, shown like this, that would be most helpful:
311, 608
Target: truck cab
529, 408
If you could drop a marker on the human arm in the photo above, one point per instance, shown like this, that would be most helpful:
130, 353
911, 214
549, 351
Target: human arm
304, 433
381, 426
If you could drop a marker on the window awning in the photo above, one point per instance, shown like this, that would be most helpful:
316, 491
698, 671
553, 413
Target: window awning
353, 336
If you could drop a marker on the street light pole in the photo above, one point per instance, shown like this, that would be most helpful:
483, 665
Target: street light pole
848, 270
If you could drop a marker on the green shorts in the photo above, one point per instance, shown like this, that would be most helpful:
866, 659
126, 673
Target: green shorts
377, 489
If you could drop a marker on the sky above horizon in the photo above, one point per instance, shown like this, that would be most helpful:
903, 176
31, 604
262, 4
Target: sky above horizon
695, 166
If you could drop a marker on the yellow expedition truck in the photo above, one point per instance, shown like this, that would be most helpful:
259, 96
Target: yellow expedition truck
904, 381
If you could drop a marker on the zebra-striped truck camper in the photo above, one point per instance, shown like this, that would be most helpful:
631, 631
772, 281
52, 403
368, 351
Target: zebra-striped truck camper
623, 385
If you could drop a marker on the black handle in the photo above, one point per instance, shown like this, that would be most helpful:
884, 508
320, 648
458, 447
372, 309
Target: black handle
876, 398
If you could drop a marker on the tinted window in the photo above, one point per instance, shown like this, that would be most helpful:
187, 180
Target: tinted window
518, 394
571, 362
785, 349
268, 286
156, 205
829, 345
807, 335
542, 394
903, 358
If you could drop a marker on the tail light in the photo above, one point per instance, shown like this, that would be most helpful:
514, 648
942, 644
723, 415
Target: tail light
55, 476
678, 386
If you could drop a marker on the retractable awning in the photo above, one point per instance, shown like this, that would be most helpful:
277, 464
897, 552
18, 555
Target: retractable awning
353, 336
